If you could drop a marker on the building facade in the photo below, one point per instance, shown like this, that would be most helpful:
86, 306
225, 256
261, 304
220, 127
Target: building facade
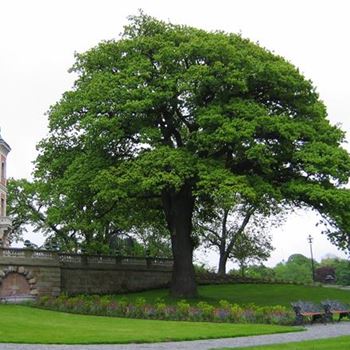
5, 222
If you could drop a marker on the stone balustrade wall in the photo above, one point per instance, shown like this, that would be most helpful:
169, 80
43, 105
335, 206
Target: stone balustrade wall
50, 273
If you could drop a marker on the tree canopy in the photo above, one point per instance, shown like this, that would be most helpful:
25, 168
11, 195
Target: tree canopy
168, 116
79, 227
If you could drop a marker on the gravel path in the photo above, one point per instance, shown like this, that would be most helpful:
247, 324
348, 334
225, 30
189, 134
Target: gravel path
312, 332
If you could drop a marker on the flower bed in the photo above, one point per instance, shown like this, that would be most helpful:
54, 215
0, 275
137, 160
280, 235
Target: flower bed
182, 310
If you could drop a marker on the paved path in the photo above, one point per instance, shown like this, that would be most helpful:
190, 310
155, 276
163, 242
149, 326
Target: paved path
312, 332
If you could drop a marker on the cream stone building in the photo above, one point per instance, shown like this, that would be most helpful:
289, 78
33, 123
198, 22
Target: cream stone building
5, 222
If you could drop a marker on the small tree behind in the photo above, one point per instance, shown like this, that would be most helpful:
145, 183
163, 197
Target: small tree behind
225, 230
251, 248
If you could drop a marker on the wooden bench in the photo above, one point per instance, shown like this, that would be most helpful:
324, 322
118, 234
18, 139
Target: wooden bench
307, 309
335, 307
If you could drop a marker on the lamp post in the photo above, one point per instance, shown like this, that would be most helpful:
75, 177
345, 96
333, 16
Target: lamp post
310, 239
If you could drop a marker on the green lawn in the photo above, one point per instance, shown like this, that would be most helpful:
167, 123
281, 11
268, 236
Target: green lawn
340, 343
21, 324
259, 294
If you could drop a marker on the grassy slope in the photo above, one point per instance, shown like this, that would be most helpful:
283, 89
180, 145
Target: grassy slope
340, 343
20, 324
259, 294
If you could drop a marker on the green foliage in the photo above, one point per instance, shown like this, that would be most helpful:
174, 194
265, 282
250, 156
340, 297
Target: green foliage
206, 310
343, 273
236, 312
22, 206
260, 272
183, 308
249, 248
160, 310
202, 311
237, 230
30, 203
298, 259
342, 269
297, 269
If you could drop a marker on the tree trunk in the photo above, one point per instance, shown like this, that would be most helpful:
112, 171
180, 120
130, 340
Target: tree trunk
242, 267
222, 264
223, 253
178, 208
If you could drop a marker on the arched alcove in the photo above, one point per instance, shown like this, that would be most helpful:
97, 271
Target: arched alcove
14, 284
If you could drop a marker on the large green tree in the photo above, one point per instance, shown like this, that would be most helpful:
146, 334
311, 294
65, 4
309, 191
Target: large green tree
168, 115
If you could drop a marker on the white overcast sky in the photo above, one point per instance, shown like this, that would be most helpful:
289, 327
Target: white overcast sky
38, 40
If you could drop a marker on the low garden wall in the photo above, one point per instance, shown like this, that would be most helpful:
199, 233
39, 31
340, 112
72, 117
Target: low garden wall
39, 273
107, 275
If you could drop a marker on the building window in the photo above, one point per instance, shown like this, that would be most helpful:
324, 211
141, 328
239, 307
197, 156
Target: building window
2, 209
3, 169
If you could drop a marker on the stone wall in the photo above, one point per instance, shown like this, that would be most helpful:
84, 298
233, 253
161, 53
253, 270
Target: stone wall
50, 273
102, 279
43, 275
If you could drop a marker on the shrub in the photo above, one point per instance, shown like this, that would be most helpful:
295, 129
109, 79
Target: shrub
160, 310
236, 313
206, 310
183, 309
225, 312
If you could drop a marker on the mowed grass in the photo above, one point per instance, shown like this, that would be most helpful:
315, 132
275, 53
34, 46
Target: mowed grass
22, 324
339, 343
259, 294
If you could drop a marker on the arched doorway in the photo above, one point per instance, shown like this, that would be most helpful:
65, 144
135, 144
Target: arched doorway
14, 285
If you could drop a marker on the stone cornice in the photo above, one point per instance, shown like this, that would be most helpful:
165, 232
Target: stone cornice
4, 148
3, 187
4, 145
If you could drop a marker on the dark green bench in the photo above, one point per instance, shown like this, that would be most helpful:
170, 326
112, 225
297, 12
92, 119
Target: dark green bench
335, 307
308, 310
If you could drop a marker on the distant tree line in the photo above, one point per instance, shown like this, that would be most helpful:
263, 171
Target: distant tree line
297, 268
